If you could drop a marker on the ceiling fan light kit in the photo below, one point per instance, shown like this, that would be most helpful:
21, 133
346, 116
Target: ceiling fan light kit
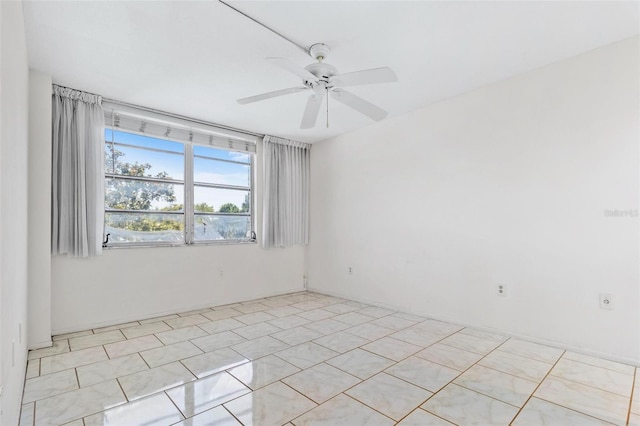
324, 80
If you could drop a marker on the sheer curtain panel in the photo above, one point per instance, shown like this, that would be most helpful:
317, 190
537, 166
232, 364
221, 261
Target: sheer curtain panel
77, 173
286, 192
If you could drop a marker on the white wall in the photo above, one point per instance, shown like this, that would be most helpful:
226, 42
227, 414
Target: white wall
130, 284
39, 243
13, 203
506, 184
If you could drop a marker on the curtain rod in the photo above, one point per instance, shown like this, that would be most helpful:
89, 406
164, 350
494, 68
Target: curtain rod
182, 117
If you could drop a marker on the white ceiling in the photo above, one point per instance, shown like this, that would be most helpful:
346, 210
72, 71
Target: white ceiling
197, 58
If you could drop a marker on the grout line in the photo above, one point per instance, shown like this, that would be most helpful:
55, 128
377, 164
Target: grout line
633, 390
174, 404
537, 387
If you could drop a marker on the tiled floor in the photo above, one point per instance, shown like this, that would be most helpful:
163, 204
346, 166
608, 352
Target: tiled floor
308, 359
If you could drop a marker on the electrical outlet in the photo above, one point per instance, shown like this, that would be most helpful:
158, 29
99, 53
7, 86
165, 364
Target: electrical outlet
221, 273
501, 290
350, 269
606, 301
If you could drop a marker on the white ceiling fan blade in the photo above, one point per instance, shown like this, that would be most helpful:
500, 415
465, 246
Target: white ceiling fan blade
293, 68
312, 110
356, 102
270, 95
357, 78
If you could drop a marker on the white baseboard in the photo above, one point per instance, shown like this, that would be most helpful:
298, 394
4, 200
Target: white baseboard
554, 344
40, 345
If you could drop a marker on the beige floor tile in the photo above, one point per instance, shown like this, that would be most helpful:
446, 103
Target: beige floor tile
360, 363
55, 363
33, 368
343, 410
218, 341
321, 382
181, 334
201, 395
389, 395
110, 369
148, 382
540, 412
213, 327
470, 343
297, 335
601, 378
603, 405
531, 350
368, 331
47, 386
341, 341
78, 403
145, 329
131, 346
525, 368
182, 322
391, 348
423, 373
27, 414
498, 385
58, 347
115, 327
599, 362
272, 405
170, 353
217, 416
463, 406
155, 410
263, 371
257, 348
306, 354
254, 331
449, 356
213, 362
419, 417
99, 339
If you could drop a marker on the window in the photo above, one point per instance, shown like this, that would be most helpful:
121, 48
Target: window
163, 190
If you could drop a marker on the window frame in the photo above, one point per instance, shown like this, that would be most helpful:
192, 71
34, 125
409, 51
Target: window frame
189, 184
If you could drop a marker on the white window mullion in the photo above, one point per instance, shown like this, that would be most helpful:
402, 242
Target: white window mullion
188, 194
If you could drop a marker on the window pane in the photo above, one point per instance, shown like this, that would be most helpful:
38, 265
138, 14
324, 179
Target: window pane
143, 141
221, 172
127, 194
209, 227
130, 161
144, 227
220, 200
222, 154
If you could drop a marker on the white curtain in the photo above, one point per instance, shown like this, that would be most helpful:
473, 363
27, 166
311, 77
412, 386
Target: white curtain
286, 192
77, 173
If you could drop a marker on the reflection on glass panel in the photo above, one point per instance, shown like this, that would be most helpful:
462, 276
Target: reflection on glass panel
210, 227
208, 200
128, 194
144, 227
221, 154
220, 172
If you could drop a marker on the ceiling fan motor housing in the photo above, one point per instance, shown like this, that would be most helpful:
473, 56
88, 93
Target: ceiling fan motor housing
322, 71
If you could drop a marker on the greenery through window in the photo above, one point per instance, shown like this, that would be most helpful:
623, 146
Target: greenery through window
168, 192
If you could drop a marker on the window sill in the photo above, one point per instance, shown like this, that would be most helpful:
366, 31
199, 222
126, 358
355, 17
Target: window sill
160, 245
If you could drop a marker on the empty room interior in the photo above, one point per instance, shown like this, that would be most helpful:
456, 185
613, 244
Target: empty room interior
319, 213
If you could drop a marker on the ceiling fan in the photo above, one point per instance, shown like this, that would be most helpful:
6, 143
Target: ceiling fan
324, 81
